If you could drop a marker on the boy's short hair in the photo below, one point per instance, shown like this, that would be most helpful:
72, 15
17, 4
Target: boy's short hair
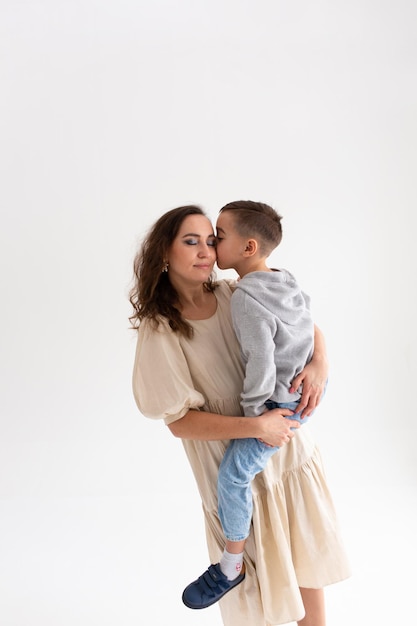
257, 220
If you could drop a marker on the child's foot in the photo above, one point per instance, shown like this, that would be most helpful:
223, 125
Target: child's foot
209, 588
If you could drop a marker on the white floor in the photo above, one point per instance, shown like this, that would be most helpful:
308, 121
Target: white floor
107, 545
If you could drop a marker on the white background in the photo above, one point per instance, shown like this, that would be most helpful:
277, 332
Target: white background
113, 112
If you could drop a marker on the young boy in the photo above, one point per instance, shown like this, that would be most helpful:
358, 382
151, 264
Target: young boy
275, 330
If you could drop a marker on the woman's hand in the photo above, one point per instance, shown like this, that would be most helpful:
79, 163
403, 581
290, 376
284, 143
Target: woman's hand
313, 380
313, 377
277, 428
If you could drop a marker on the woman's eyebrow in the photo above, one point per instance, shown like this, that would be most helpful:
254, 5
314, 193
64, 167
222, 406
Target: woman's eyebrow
220, 230
197, 235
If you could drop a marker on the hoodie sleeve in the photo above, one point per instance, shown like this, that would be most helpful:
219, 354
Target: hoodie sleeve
255, 329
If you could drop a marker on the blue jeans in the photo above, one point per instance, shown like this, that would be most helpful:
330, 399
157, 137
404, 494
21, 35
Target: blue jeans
243, 459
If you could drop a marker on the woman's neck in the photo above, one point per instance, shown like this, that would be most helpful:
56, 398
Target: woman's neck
197, 304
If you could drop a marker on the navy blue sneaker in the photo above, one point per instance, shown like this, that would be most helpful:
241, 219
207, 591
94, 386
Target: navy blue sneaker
209, 588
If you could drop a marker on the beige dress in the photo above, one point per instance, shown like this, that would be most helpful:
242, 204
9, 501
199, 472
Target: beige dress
294, 540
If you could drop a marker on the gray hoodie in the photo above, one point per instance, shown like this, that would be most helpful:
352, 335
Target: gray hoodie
272, 321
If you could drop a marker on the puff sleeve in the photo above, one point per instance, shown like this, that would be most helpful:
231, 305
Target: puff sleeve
162, 384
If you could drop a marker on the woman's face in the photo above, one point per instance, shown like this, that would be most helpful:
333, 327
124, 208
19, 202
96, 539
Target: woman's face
192, 254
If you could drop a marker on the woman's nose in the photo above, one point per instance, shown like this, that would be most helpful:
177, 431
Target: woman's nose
205, 250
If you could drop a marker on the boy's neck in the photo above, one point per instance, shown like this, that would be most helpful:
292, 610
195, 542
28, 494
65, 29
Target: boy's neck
252, 265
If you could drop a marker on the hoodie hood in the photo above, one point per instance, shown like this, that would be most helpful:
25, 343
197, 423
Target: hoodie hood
278, 292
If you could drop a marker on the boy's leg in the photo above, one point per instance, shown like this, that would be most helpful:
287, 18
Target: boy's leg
243, 459
293, 406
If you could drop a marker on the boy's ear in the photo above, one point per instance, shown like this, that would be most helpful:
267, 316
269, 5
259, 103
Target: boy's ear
251, 247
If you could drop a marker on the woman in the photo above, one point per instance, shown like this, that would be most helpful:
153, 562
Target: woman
188, 372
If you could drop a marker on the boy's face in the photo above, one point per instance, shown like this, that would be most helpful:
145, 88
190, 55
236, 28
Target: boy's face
230, 245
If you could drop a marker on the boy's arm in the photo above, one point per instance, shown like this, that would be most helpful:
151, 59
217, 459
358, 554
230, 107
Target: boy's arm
255, 335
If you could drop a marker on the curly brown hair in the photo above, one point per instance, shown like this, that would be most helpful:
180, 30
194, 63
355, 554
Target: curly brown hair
152, 294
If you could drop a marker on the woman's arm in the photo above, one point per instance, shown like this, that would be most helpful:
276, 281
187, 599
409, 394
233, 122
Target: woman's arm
272, 427
313, 377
